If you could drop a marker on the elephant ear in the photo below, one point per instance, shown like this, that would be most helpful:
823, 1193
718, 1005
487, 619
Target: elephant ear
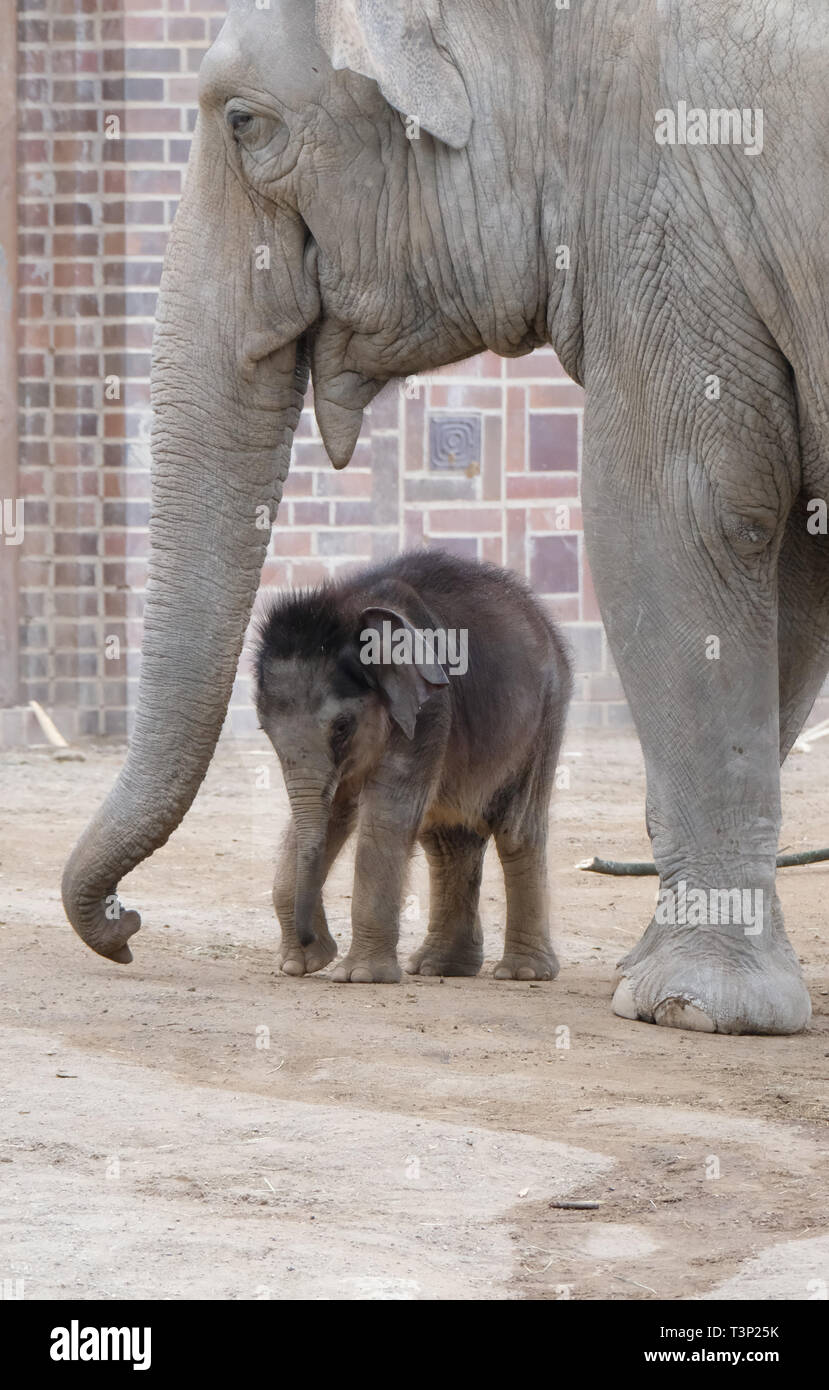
407, 684
394, 42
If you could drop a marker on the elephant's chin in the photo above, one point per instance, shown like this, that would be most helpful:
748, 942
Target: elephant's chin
340, 427
340, 393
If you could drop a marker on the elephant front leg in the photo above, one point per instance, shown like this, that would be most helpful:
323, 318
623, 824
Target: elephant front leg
385, 838
688, 594
294, 958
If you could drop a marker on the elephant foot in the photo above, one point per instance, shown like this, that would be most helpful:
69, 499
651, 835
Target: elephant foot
541, 964
367, 970
710, 981
298, 960
437, 956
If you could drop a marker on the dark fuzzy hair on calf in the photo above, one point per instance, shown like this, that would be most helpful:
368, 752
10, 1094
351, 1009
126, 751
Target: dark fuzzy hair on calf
302, 625
306, 626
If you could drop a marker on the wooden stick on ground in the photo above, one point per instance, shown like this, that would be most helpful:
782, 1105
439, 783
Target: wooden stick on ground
49, 728
641, 869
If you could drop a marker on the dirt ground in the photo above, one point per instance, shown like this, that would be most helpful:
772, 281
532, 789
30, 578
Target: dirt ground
195, 1125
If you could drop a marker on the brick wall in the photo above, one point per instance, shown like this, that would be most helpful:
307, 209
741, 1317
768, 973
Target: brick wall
482, 459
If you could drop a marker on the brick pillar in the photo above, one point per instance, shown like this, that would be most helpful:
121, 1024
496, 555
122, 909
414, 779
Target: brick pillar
9, 493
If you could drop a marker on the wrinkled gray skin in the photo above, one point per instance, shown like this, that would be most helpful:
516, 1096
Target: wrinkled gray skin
407, 752
391, 255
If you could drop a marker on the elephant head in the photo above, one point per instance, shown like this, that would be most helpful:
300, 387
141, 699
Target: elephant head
354, 205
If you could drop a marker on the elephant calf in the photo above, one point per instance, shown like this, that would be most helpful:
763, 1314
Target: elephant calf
424, 699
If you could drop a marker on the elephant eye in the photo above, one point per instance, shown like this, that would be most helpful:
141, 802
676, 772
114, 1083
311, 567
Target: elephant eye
239, 121
340, 730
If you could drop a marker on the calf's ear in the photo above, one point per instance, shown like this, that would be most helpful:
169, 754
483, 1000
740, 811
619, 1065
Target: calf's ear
407, 685
396, 42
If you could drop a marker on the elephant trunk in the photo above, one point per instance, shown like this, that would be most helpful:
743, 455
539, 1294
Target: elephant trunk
310, 809
226, 405
207, 552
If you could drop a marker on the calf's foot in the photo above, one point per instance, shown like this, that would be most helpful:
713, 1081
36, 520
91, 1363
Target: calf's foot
358, 969
439, 956
294, 959
539, 964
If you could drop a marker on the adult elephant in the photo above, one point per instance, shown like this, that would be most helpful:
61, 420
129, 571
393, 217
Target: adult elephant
436, 177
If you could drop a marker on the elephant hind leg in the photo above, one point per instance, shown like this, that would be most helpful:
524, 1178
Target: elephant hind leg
528, 950
454, 942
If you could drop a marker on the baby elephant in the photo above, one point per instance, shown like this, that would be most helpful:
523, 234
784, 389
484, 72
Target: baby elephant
423, 699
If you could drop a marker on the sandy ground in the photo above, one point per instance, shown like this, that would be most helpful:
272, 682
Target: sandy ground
195, 1125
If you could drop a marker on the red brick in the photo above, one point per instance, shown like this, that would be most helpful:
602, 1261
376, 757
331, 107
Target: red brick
33, 152
30, 364
541, 486
82, 482
123, 88
183, 89
73, 30
76, 514
492, 549
33, 335
30, 306
183, 28
141, 60
554, 442
137, 120
556, 395
308, 572
31, 244
76, 181
413, 528
275, 574
31, 60
542, 363
75, 120
465, 519
33, 214
589, 603
465, 546
70, 306
516, 429
554, 564
74, 273
288, 543
34, 274
77, 454
517, 540
71, 335
485, 364
76, 396
72, 214
75, 60
76, 243
459, 396
74, 91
